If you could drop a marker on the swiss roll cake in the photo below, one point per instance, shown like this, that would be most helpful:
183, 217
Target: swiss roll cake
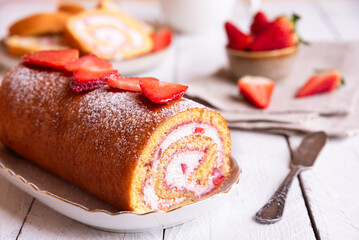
108, 34
117, 145
20, 45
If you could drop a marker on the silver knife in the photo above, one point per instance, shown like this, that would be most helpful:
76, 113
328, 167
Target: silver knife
304, 157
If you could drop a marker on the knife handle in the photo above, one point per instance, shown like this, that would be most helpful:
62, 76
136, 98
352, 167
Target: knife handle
272, 211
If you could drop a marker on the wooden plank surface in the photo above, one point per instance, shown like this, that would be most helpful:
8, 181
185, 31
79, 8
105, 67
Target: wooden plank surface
343, 18
332, 188
14, 205
43, 223
311, 27
264, 159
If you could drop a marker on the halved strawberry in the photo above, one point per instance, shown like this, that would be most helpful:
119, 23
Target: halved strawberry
321, 82
161, 39
85, 75
260, 23
162, 92
53, 59
237, 39
131, 84
89, 62
77, 86
277, 35
256, 89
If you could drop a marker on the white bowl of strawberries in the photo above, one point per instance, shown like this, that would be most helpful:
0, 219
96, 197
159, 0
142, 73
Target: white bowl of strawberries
269, 49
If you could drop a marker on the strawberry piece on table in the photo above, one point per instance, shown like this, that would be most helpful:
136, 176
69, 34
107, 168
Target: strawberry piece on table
85, 76
130, 84
161, 39
260, 23
162, 92
89, 62
53, 59
321, 82
236, 38
256, 89
277, 35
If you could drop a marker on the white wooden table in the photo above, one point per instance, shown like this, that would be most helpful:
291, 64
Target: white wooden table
322, 203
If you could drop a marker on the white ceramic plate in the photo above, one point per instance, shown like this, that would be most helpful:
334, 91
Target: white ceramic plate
74, 203
125, 67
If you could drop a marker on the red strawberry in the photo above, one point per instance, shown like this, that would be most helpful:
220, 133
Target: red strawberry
219, 177
52, 59
86, 76
320, 83
161, 39
260, 23
89, 62
278, 34
131, 84
218, 180
256, 89
77, 86
199, 130
184, 168
237, 39
162, 92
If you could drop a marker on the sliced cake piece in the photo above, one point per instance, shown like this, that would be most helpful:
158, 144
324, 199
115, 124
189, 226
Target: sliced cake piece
107, 34
41, 23
21, 45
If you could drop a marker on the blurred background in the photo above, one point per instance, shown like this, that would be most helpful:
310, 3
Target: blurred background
321, 19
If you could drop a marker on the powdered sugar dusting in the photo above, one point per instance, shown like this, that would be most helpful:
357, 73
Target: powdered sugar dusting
131, 113
102, 115
27, 88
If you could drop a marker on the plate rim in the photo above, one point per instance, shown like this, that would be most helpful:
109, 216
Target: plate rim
47, 193
4, 55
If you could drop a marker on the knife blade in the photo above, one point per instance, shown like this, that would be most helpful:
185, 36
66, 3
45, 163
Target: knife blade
309, 149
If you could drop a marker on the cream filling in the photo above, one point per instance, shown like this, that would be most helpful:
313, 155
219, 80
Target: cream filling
181, 167
108, 35
175, 176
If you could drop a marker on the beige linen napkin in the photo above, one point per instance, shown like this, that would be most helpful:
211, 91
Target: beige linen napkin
333, 112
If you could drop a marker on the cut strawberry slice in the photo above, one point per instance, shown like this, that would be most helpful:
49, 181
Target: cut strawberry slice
53, 59
256, 89
162, 92
89, 63
260, 23
130, 84
77, 86
237, 39
85, 76
321, 82
161, 39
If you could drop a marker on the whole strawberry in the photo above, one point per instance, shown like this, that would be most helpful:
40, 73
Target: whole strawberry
259, 24
236, 38
279, 34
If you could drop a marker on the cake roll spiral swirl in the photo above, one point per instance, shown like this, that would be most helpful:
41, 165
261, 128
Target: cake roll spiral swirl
109, 35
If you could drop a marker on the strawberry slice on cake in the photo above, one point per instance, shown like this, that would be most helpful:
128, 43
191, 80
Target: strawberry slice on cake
53, 58
162, 92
